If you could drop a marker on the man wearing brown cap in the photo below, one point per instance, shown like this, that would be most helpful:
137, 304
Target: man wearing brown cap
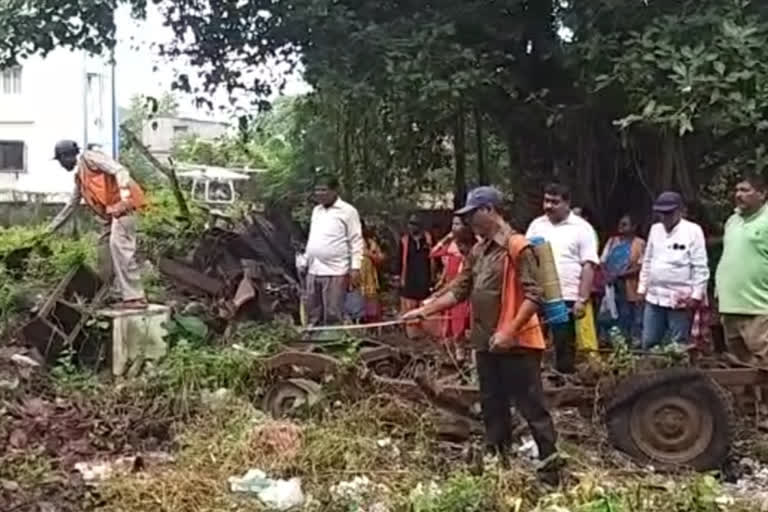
674, 274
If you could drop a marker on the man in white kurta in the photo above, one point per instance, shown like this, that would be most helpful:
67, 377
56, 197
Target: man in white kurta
334, 254
674, 274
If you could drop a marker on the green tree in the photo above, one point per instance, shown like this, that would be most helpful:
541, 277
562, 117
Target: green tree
639, 96
141, 110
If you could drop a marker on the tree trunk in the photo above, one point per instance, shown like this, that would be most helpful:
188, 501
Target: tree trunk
366, 158
347, 153
460, 159
482, 173
666, 175
337, 142
167, 170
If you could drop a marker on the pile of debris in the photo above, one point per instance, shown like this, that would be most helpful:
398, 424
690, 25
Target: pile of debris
44, 435
242, 270
35, 418
57, 324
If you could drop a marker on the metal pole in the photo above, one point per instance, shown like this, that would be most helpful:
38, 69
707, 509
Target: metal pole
115, 121
85, 100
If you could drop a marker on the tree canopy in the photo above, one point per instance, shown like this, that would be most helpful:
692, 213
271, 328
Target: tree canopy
606, 95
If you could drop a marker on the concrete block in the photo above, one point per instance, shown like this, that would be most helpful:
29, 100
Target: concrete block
138, 336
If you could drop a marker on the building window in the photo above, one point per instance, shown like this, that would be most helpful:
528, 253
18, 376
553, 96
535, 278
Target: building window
180, 130
12, 156
10, 80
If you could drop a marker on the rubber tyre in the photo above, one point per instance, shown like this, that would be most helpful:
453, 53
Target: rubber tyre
678, 385
280, 397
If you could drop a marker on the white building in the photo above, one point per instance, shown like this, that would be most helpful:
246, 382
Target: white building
160, 133
65, 95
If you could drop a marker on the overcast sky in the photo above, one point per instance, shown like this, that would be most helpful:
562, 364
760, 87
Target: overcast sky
135, 59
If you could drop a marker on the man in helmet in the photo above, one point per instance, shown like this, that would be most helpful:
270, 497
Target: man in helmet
108, 190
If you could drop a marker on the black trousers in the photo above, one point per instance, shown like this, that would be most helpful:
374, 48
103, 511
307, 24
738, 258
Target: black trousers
514, 376
564, 340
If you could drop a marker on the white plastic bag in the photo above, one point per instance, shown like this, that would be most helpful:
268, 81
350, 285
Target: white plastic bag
302, 262
275, 494
608, 305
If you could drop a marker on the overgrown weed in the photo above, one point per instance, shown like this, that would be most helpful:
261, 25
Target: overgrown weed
390, 442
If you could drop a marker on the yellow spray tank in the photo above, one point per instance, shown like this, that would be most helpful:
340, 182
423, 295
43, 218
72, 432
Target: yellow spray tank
553, 308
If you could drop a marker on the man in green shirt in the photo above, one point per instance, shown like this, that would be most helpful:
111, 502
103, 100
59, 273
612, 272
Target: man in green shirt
742, 275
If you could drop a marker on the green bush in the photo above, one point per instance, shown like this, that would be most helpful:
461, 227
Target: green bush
162, 229
460, 493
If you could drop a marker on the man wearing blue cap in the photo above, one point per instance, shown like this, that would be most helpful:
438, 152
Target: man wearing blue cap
499, 279
674, 274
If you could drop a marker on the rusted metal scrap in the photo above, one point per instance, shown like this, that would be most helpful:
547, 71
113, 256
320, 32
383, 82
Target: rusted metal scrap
190, 278
246, 272
317, 364
668, 417
59, 322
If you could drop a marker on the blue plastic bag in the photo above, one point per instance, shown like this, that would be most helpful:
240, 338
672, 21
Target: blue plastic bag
354, 305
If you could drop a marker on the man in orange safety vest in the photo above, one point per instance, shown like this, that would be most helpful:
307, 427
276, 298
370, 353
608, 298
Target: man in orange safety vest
108, 190
499, 277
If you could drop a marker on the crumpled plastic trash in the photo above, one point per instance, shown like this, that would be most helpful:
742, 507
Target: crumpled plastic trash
360, 495
99, 471
9, 385
529, 449
95, 472
352, 490
216, 399
275, 494
23, 360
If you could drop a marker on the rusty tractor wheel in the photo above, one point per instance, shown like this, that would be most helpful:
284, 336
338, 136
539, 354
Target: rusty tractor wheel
288, 396
677, 418
386, 368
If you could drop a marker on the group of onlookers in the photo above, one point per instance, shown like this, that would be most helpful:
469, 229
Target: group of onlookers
662, 290
651, 290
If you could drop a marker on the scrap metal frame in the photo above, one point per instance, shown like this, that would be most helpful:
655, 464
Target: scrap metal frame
459, 398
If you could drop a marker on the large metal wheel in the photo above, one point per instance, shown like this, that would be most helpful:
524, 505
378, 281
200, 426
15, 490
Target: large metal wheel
671, 419
671, 429
286, 397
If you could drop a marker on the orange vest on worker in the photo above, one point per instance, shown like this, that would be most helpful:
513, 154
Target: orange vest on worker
530, 335
100, 189
404, 247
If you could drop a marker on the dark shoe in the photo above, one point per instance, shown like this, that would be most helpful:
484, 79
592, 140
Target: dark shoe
548, 470
504, 460
496, 457
549, 477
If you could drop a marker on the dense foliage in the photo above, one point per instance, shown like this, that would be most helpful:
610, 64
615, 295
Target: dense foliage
607, 95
